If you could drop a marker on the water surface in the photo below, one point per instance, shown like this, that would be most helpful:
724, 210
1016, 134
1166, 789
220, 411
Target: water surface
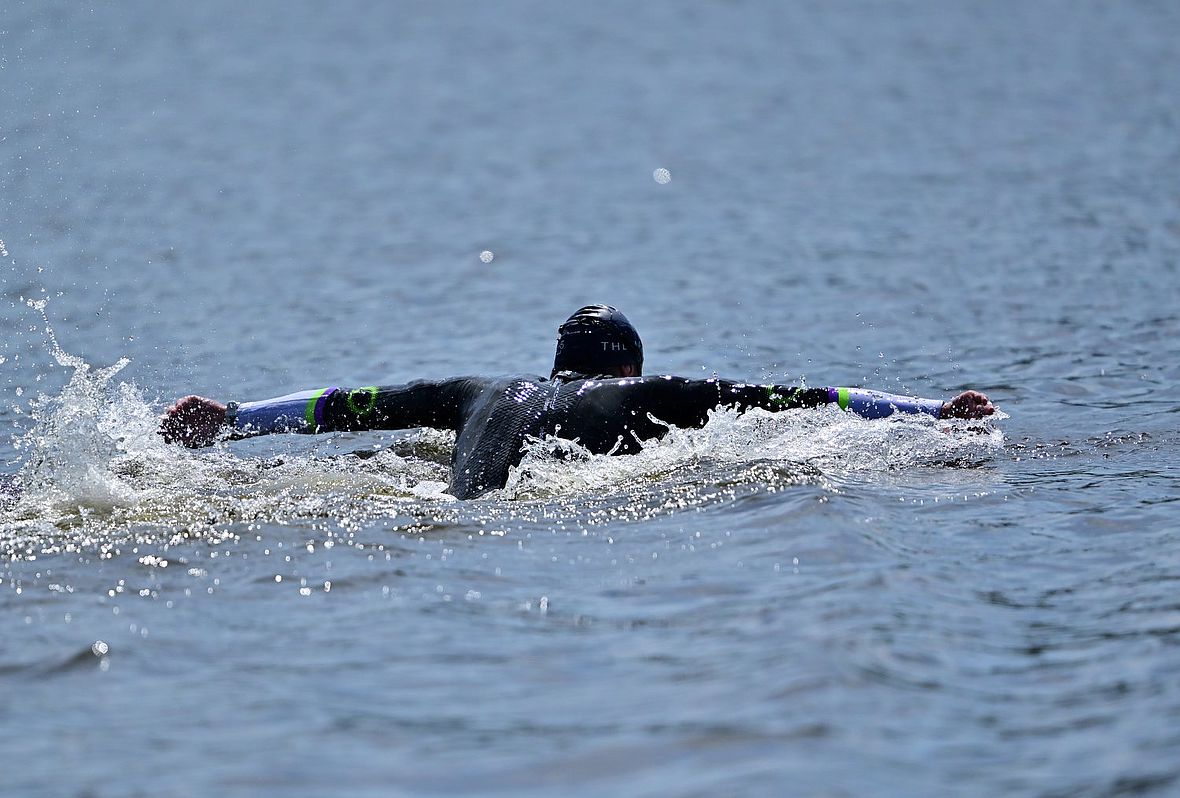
247, 201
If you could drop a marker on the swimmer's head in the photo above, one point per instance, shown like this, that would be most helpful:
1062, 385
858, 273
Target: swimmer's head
599, 340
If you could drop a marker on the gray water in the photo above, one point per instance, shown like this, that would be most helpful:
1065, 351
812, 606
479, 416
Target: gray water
242, 200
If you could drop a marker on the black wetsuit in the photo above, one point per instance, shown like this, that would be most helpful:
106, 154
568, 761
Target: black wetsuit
492, 416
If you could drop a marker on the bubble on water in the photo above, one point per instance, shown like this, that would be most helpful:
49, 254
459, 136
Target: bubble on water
487, 256
661, 176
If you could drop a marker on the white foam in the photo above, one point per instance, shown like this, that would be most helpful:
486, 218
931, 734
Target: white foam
833, 441
94, 468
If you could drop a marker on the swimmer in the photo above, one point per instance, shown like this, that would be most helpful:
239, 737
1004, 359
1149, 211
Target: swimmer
596, 394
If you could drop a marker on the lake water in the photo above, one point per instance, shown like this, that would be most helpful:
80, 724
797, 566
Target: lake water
243, 200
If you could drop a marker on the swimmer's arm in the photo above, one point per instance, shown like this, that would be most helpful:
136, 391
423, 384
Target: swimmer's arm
686, 403
866, 403
196, 421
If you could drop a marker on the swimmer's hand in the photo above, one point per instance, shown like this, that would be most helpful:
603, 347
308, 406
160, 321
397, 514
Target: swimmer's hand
968, 404
193, 421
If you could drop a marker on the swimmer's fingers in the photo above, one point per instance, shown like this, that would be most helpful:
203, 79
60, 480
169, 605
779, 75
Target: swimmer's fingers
968, 404
192, 421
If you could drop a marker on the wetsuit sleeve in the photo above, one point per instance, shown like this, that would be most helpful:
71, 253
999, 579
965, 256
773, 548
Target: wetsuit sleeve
686, 403
437, 404
869, 404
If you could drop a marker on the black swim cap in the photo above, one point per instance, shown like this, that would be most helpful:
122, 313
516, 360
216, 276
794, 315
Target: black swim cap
596, 339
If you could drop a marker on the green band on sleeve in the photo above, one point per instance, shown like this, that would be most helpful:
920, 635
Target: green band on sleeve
842, 398
309, 411
368, 395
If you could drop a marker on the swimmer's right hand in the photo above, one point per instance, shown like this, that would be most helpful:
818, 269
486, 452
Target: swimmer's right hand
968, 404
193, 421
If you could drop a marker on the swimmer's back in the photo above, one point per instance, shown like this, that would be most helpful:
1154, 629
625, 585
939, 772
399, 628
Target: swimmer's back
603, 414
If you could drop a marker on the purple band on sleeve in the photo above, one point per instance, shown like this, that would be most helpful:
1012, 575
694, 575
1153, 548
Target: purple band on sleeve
321, 403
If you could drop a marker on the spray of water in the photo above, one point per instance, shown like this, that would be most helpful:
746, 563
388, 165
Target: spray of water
94, 472
74, 434
825, 445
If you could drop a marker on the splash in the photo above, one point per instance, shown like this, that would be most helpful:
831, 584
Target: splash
72, 440
94, 472
72, 433
822, 445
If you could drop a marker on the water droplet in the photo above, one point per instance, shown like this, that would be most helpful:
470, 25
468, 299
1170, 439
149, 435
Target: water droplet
487, 256
661, 176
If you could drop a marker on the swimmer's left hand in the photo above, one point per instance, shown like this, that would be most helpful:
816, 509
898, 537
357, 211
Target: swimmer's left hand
968, 404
